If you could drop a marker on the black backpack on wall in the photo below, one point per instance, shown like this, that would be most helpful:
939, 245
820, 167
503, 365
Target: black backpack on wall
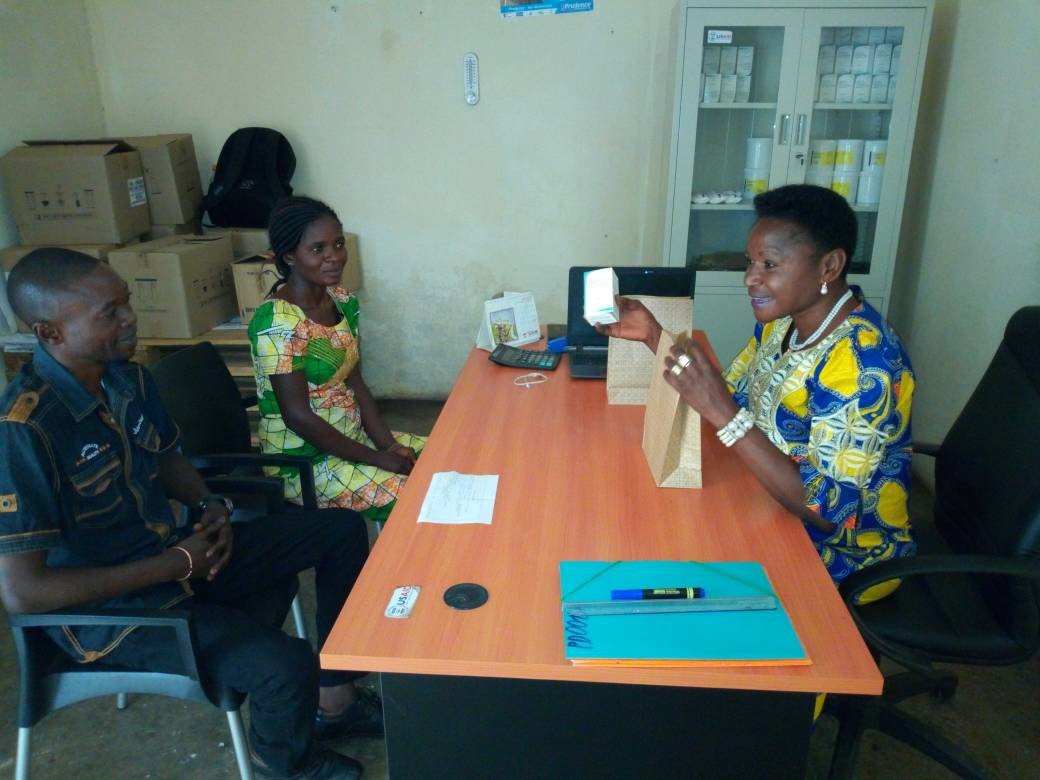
253, 171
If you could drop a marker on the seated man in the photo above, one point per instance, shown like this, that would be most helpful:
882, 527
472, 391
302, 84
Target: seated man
88, 458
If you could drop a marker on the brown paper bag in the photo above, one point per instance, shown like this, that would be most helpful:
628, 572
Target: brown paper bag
671, 429
630, 363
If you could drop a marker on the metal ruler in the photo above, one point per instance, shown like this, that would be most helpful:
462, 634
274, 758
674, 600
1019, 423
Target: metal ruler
646, 607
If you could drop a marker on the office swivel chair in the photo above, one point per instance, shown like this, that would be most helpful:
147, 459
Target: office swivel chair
978, 603
200, 394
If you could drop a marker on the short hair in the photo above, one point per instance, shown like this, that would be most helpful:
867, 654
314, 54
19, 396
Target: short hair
42, 276
289, 219
823, 214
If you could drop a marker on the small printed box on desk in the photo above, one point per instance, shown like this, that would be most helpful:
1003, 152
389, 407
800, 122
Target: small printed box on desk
601, 288
171, 175
181, 285
76, 192
9, 258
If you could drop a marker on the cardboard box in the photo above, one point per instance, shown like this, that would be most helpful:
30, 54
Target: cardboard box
253, 278
9, 258
171, 174
245, 242
163, 231
250, 242
181, 285
76, 192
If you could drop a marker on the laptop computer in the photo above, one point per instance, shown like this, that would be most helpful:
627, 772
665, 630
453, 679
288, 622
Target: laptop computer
587, 356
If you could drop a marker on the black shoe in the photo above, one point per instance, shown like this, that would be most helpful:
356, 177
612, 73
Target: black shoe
363, 718
322, 764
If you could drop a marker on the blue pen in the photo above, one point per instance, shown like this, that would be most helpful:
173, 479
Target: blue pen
641, 594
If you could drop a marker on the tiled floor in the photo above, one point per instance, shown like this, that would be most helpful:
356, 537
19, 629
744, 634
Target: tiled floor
996, 712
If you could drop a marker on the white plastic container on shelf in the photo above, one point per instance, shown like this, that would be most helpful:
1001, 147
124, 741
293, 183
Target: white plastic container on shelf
862, 59
876, 35
828, 92
825, 61
897, 53
821, 153
712, 88
728, 61
861, 88
843, 88
743, 89
759, 154
882, 58
710, 63
843, 59
874, 153
860, 35
745, 60
728, 89
821, 177
826, 36
893, 35
842, 36
891, 89
756, 180
848, 155
845, 184
868, 192
879, 88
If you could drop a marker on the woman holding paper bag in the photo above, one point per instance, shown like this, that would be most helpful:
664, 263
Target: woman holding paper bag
817, 404
313, 399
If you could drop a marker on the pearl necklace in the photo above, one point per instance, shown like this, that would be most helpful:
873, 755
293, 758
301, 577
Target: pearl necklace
793, 342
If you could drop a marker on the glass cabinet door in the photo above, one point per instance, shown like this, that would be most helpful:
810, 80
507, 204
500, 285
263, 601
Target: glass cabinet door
854, 122
739, 67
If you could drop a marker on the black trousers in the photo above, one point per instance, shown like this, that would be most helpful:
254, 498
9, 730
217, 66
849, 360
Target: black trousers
278, 672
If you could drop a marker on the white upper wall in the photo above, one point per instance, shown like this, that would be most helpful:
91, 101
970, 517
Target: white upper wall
970, 252
48, 87
562, 162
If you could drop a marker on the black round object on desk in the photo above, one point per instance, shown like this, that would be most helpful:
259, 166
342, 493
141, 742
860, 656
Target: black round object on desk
466, 595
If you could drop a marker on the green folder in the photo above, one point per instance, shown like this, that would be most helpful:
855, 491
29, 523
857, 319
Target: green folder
717, 638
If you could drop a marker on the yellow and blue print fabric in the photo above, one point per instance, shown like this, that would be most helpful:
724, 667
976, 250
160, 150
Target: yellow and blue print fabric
841, 412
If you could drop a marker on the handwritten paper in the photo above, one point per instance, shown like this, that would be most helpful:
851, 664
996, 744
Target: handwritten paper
455, 498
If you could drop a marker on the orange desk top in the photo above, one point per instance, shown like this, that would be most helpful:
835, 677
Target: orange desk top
573, 485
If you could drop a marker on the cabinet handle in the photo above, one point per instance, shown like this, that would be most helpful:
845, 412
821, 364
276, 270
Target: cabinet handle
800, 136
785, 129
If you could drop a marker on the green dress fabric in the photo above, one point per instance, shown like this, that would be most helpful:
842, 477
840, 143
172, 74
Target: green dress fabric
282, 340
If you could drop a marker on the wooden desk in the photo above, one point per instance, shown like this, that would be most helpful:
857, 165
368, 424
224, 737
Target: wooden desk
488, 693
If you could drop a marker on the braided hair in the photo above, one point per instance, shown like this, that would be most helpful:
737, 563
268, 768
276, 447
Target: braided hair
290, 217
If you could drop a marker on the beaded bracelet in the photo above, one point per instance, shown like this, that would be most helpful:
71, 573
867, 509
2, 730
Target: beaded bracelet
737, 428
191, 563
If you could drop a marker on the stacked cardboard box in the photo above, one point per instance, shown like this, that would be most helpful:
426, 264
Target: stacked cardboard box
171, 176
76, 192
181, 286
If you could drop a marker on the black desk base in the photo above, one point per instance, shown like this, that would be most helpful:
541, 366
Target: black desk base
486, 727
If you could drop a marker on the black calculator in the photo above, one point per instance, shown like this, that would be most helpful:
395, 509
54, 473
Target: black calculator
506, 355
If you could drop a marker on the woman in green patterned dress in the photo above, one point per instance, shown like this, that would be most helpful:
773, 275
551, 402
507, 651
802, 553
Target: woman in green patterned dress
313, 400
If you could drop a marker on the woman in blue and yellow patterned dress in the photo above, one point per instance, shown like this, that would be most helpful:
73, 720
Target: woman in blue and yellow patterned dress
313, 399
817, 404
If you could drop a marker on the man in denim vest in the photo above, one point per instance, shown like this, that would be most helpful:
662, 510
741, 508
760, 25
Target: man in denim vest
88, 460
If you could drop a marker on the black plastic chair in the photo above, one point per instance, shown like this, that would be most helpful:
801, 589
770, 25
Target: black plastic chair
200, 394
974, 598
49, 679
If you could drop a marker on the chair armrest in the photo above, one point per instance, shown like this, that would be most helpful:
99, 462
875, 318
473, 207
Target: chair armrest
177, 620
272, 489
854, 585
924, 448
254, 460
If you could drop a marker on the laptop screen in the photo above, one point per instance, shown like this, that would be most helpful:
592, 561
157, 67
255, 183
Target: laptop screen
664, 282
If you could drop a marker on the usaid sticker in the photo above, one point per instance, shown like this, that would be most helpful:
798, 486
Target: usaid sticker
720, 36
138, 196
402, 601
